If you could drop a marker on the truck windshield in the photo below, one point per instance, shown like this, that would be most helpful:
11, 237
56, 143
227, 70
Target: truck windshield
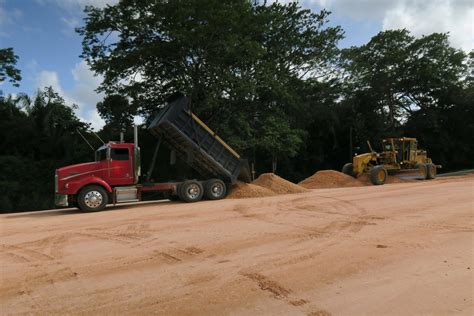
101, 154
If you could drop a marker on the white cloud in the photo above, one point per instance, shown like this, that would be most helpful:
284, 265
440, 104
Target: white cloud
356, 9
425, 17
82, 93
420, 17
74, 4
71, 23
48, 78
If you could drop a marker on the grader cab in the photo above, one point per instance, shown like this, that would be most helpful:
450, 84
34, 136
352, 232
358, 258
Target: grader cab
398, 154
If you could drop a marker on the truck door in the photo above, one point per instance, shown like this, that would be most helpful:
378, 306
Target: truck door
120, 166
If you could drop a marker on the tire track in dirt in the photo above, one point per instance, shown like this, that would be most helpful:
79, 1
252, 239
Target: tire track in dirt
293, 231
447, 228
279, 292
28, 254
154, 258
34, 281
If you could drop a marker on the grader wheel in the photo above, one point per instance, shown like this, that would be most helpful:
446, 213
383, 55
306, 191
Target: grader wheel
431, 171
348, 169
423, 168
378, 175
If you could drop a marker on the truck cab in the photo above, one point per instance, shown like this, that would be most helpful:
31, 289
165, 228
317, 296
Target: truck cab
116, 164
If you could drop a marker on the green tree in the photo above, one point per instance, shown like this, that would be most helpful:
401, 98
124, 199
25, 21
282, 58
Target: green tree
8, 69
403, 73
279, 139
37, 137
117, 111
242, 64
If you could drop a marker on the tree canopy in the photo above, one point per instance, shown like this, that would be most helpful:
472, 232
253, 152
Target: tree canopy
403, 73
229, 56
38, 136
8, 69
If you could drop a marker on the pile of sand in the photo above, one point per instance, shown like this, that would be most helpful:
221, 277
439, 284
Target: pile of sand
334, 179
242, 190
330, 179
278, 185
268, 184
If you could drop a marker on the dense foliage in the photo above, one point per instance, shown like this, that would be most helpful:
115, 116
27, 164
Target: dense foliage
241, 64
38, 136
269, 79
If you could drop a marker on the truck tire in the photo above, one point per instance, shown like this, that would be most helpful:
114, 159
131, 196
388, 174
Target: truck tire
378, 175
215, 189
190, 191
92, 198
348, 169
431, 171
423, 168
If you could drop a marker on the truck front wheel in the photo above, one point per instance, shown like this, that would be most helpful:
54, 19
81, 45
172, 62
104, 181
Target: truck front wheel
215, 189
92, 198
190, 191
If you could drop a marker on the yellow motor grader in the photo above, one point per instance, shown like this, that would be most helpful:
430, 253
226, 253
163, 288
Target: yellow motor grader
399, 154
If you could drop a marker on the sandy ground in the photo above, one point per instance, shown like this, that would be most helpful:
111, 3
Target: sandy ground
395, 249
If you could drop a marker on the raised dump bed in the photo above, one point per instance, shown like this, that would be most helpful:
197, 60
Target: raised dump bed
197, 144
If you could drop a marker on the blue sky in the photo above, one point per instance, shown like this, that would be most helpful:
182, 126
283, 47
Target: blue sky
42, 35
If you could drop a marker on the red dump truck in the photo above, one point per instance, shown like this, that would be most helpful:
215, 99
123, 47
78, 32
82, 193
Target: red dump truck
115, 175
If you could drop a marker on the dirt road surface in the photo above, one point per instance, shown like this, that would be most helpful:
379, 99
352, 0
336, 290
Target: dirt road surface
396, 249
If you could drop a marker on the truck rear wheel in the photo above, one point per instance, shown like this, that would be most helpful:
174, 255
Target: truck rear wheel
92, 198
215, 189
431, 171
190, 191
348, 169
378, 175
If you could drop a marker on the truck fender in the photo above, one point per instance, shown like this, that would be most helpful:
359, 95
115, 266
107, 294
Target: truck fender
76, 186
